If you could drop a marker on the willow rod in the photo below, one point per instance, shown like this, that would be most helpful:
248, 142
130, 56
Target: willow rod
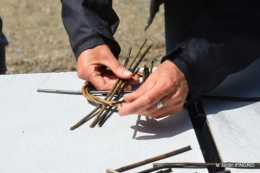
103, 117
110, 95
153, 159
165, 171
83, 120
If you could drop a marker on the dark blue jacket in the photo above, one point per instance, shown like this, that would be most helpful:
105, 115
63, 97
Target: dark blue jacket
221, 41
3, 40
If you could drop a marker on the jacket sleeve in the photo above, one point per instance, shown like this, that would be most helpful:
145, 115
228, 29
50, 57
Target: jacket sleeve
90, 23
218, 43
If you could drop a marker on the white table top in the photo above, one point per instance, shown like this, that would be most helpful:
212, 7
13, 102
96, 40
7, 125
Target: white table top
235, 125
35, 135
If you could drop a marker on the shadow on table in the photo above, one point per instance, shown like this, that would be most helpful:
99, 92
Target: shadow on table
245, 83
150, 128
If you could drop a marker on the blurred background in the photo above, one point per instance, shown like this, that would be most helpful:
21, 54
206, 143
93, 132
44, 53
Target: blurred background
39, 43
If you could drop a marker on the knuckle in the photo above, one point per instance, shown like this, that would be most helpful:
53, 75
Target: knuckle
168, 85
140, 91
148, 110
148, 100
117, 65
178, 95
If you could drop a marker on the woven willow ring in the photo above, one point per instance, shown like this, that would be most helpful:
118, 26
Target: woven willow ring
92, 98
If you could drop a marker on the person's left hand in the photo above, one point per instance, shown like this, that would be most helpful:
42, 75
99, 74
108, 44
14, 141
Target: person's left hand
166, 84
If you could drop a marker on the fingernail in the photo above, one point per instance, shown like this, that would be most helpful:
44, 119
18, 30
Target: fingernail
128, 87
126, 72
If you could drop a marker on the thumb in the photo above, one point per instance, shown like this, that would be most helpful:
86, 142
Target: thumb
119, 70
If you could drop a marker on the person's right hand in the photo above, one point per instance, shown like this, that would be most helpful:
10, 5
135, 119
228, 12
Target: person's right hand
92, 65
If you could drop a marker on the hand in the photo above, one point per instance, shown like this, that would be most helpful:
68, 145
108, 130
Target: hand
92, 65
167, 84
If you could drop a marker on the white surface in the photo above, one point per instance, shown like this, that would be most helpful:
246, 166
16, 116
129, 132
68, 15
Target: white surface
35, 135
235, 125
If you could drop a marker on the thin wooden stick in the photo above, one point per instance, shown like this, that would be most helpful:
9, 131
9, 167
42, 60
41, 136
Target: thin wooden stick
165, 171
206, 165
156, 169
83, 120
112, 171
151, 67
153, 159
150, 170
139, 51
102, 119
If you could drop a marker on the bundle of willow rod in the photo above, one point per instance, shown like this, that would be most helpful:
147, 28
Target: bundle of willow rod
111, 99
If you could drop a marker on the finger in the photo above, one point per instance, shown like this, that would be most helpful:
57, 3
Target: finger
101, 82
168, 106
165, 111
134, 80
168, 111
118, 69
161, 104
140, 91
147, 99
155, 107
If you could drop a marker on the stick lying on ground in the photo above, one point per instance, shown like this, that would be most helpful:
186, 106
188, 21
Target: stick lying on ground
150, 160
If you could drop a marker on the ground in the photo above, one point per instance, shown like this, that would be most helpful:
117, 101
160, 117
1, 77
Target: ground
39, 43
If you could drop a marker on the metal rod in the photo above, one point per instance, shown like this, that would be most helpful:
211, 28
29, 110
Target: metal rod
183, 165
150, 170
165, 171
77, 92
153, 159
155, 169
227, 171
205, 165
